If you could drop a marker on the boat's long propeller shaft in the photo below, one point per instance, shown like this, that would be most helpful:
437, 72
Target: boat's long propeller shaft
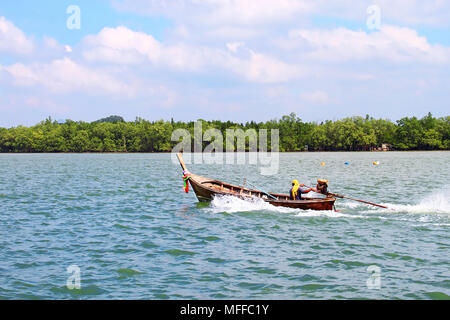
345, 197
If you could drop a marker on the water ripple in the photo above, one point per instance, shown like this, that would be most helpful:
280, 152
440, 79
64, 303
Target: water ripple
126, 223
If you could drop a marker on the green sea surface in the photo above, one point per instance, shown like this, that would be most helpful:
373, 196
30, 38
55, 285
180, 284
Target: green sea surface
125, 222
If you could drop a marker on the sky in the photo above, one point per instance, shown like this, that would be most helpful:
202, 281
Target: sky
237, 60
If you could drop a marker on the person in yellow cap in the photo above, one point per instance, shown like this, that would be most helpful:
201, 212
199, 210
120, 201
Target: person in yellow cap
296, 190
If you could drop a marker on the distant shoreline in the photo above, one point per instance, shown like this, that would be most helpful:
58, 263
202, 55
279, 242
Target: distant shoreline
288, 134
169, 152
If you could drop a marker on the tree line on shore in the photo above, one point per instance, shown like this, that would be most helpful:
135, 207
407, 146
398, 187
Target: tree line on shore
116, 135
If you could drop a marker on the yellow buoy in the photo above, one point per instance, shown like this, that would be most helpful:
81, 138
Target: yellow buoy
375, 163
322, 164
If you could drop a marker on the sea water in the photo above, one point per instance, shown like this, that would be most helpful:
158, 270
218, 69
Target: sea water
120, 226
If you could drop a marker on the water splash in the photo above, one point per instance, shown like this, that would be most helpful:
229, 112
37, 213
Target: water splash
327, 213
436, 202
349, 204
232, 204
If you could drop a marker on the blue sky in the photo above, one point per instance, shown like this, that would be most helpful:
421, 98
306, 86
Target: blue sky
48, 18
223, 59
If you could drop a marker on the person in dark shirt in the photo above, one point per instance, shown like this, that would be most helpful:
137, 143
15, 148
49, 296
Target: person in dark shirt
322, 186
296, 191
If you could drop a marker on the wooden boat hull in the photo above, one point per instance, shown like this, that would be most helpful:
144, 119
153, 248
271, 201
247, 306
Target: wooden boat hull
206, 189
206, 194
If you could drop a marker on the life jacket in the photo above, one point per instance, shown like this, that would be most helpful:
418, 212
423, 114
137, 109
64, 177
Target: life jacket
295, 192
298, 195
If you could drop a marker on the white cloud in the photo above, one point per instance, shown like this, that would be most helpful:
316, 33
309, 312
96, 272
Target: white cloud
268, 12
181, 31
51, 48
124, 46
410, 12
12, 39
315, 97
276, 92
228, 32
391, 43
234, 46
264, 69
43, 103
255, 11
65, 75
213, 12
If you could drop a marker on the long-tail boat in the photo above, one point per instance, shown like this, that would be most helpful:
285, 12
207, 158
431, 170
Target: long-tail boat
206, 189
